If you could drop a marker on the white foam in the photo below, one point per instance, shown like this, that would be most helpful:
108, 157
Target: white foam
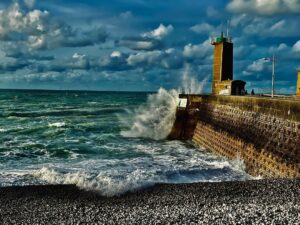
57, 124
258, 178
131, 177
219, 164
2, 130
104, 182
172, 162
154, 119
16, 177
238, 163
14, 172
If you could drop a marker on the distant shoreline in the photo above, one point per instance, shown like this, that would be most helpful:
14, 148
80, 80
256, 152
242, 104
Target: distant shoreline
247, 202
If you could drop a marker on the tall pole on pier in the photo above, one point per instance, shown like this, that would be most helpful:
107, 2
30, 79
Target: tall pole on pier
273, 73
273, 76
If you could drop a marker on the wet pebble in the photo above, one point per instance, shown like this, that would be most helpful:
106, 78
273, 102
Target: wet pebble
249, 202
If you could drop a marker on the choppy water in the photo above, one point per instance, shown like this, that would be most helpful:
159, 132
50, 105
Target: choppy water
109, 142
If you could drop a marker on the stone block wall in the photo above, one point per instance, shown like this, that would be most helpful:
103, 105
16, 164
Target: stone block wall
258, 162
263, 132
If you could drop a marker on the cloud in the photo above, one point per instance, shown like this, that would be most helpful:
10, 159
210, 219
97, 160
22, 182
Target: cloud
145, 58
259, 66
203, 28
159, 33
173, 59
168, 59
264, 7
126, 15
43, 77
14, 50
147, 41
13, 65
62, 46
79, 61
213, 12
266, 27
200, 51
76, 62
116, 54
244, 50
29, 3
139, 43
286, 53
17, 25
30, 56
116, 61
240, 20
39, 30
258, 70
296, 47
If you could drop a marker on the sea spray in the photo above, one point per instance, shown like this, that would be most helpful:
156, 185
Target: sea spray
190, 84
155, 118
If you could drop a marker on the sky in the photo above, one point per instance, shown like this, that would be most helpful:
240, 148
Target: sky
140, 45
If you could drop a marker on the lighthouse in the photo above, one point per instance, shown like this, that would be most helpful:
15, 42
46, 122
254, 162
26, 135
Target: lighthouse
222, 82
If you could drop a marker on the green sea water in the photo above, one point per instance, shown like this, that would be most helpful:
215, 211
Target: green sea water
105, 141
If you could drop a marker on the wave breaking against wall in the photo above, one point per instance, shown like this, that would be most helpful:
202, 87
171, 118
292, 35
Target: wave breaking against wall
263, 132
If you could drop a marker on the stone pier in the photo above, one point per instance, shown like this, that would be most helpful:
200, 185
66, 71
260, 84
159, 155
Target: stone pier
263, 132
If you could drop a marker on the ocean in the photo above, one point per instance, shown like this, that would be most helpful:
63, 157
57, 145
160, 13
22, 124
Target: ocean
110, 142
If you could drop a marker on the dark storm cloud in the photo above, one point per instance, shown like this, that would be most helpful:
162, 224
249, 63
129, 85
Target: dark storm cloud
32, 56
13, 50
13, 65
116, 61
76, 62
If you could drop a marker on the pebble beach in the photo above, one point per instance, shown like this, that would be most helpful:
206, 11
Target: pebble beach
240, 202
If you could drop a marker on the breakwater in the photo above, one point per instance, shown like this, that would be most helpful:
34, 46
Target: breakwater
263, 132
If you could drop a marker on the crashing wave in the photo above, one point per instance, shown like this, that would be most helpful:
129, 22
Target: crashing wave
154, 119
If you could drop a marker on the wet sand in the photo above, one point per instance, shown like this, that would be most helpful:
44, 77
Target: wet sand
250, 202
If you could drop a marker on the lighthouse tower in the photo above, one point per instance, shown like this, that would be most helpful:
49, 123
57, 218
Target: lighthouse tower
222, 82
223, 62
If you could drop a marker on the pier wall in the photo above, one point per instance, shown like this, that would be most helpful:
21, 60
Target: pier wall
263, 132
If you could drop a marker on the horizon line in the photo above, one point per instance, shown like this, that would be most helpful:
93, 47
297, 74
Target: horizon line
71, 90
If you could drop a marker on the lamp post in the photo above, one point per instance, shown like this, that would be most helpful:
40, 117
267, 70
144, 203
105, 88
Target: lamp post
273, 74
